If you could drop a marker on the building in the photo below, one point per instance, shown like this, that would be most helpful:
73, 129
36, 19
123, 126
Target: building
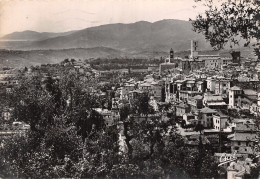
234, 94
194, 49
156, 90
181, 109
186, 95
222, 85
244, 138
111, 117
195, 102
205, 117
237, 169
168, 64
214, 101
219, 122
6, 114
236, 57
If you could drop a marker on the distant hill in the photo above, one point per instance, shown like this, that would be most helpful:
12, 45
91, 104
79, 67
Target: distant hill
18, 58
157, 36
136, 40
29, 35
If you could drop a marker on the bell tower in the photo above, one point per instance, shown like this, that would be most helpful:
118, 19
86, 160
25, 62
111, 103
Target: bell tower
194, 48
171, 56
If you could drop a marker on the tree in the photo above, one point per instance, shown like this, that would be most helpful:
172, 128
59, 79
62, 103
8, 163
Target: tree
141, 105
229, 22
199, 128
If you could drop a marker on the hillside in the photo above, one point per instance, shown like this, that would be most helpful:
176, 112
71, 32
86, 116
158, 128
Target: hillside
29, 35
18, 58
159, 36
137, 40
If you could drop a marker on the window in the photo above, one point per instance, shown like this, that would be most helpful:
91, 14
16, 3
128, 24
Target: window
239, 143
245, 149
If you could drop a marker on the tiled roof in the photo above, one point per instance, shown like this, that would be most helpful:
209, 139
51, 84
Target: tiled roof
197, 97
245, 127
235, 88
243, 137
207, 110
250, 92
213, 98
182, 105
216, 103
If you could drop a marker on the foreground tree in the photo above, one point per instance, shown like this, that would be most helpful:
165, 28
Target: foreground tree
229, 22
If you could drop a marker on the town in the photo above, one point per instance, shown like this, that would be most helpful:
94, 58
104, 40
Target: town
209, 102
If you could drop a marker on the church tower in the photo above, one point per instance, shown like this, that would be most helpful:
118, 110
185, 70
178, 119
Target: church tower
171, 56
194, 49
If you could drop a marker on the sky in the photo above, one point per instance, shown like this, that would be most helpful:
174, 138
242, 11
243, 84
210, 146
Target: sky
66, 15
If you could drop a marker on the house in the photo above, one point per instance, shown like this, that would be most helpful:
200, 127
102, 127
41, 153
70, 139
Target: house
186, 95
195, 102
234, 94
9, 89
239, 168
189, 118
222, 85
244, 138
134, 94
111, 117
211, 61
219, 121
156, 90
181, 109
194, 140
243, 99
145, 86
125, 90
200, 86
205, 117
249, 100
6, 114
214, 101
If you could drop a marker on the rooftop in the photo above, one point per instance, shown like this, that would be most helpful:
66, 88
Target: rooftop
243, 137
250, 92
235, 88
207, 110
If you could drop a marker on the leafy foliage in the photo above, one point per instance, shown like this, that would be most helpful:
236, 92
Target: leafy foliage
228, 23
68, 138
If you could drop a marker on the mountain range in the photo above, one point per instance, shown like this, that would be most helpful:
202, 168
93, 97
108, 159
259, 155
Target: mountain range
160, 35
140, 39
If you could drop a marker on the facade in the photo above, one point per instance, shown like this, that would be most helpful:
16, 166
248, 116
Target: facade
219, 122
185, 95
234, 92
181, 109
214, 101
244, 139
195, 102
205, 117
222, 86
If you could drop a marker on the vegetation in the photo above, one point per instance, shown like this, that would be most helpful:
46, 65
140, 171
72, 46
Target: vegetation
68, 138
230, 22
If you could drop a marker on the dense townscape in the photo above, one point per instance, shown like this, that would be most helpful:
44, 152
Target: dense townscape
184, 117
163, 99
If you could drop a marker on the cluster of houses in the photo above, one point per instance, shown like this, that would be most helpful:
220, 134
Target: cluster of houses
201, 90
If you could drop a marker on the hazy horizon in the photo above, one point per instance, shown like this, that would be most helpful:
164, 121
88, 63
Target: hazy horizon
63, 16
89, 27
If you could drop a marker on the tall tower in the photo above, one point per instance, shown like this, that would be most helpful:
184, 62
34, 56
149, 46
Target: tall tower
194, 48
236, 57
171, 55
